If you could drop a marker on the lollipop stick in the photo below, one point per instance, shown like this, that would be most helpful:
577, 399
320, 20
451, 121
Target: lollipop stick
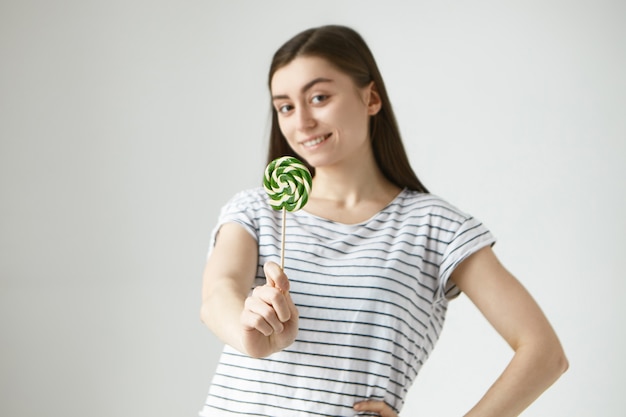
282, 241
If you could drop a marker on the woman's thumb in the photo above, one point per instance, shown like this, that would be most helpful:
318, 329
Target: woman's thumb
276, 276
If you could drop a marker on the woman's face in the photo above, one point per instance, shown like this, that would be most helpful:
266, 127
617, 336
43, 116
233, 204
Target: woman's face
321, 112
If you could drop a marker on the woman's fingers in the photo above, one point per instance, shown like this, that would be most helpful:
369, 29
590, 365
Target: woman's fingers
379, 407
269, 316
293, 310
260, 316
276, 300
266, 310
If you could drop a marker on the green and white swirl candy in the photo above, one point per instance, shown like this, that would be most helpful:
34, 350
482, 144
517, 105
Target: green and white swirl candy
287, 182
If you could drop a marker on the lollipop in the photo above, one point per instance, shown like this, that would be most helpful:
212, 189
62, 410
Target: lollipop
287, 182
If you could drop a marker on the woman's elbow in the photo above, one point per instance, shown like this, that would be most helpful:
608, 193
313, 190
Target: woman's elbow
555, 361
205, 313
561, 363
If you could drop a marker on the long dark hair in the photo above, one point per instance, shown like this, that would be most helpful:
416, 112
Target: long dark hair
346, 49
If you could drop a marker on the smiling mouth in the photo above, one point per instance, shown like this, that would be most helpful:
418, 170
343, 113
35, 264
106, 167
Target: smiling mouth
315, 141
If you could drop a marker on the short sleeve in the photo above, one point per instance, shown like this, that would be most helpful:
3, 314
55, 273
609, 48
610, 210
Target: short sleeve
241, 209
471, 236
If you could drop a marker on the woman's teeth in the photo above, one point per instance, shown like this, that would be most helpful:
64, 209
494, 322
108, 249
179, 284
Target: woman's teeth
315, 141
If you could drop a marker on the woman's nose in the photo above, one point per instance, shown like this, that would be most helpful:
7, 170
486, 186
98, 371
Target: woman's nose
305, 118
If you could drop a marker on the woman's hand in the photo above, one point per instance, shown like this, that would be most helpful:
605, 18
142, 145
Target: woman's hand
269, 317
379, 407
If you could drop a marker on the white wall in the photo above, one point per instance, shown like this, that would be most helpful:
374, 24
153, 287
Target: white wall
125, 125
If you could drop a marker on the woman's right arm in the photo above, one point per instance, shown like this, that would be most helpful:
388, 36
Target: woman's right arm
256, 323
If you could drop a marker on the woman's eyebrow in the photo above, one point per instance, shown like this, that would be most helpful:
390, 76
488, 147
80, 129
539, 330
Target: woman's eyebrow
305, 87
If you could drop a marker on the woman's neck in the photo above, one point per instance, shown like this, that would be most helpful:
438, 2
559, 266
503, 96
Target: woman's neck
349, 188
350, 194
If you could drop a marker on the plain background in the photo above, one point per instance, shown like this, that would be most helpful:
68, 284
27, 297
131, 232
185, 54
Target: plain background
126, 124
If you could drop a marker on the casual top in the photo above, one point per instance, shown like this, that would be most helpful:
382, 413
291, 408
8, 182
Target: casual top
372, 298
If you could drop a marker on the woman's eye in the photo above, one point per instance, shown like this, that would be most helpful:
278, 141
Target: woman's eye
285, 108
318, 98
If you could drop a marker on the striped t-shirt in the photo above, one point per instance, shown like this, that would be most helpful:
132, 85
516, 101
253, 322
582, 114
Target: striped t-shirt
372, 299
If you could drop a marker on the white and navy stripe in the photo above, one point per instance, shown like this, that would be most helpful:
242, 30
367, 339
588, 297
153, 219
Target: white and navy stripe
372, 299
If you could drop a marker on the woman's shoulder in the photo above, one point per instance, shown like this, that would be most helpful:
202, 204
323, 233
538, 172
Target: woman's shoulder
442, 218
427, 203
246, 207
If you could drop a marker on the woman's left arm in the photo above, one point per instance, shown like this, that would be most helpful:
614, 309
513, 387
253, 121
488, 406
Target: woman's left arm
539, 359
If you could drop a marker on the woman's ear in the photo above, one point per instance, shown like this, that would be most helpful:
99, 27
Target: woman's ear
373, 100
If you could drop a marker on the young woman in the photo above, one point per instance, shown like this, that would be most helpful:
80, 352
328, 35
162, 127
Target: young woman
371, 262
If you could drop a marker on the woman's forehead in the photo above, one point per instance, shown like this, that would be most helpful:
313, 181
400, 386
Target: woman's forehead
303, 70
